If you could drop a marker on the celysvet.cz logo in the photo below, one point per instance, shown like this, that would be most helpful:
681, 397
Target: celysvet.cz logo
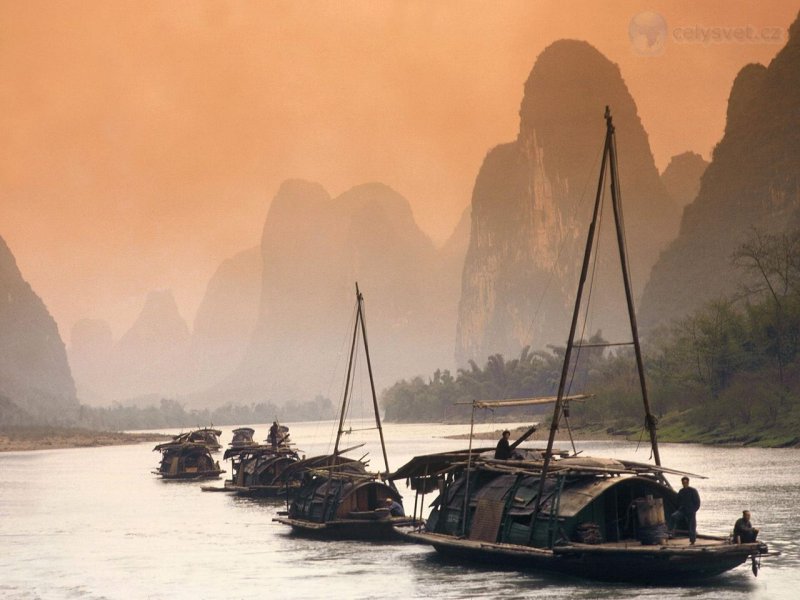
650, 34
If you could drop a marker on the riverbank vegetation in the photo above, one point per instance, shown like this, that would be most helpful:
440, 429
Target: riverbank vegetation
728, 373
93, 426
169, 413
48, 438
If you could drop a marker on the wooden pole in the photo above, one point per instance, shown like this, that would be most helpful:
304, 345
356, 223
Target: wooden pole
650, 420
360, 318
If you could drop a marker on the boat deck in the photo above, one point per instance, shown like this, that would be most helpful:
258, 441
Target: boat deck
678, 542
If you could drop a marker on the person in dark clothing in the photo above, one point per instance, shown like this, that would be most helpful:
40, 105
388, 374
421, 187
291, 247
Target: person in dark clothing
688, 505
395, 508
503, 450
274, 432
743, 530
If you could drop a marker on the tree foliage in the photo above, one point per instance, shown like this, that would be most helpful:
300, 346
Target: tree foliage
170, 413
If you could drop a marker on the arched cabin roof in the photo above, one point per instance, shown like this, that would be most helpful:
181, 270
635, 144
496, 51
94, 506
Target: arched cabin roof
576, 494
277, 463
325, 461
246, 452
183, 448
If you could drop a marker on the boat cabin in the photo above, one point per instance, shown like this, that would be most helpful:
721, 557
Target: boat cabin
341, 498
256, 471
187, 460
243, 437
207, 436
586, 508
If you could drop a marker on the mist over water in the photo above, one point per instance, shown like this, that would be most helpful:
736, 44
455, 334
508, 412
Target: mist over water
95, 523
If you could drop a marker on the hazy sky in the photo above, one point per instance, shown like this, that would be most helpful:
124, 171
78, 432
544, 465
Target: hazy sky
143, 141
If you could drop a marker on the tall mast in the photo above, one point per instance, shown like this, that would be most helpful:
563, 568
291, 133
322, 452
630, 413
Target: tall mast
616, 200
360, 319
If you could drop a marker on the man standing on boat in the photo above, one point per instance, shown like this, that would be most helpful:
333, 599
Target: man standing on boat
503, 450
274, 432
688, 505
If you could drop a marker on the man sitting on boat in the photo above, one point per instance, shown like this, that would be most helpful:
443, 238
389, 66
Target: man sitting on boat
743, 530
688, 505
395, 508
503, 450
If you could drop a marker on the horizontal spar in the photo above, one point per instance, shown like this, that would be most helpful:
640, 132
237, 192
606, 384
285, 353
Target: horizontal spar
524, 401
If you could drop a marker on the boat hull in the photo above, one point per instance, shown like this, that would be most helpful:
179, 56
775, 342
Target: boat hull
192, 476
347, 529
649, 564
262, 491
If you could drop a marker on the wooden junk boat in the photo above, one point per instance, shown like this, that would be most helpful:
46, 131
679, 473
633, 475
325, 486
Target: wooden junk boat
338, 498
594, 517
186, 460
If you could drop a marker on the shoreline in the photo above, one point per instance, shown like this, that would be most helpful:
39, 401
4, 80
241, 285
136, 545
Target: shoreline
29, 439
666, 437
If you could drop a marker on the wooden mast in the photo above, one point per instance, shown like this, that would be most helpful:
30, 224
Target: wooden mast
609, 160
360, 319
616, 203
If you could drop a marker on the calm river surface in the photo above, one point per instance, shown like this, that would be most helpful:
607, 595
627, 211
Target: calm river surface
95, 523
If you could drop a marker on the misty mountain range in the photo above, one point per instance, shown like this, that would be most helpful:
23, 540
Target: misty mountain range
274, 324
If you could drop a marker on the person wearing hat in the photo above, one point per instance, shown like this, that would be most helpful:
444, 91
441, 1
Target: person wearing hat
688, 505
395, 508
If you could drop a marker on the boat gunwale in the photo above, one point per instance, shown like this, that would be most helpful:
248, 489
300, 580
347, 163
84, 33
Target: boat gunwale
721, 549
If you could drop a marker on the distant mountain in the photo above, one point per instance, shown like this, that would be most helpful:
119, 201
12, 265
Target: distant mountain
226, 318
34, 372
90, 356
314, 249
455, 248
152, 357
753, 181
531, 208
158, 356
682, 176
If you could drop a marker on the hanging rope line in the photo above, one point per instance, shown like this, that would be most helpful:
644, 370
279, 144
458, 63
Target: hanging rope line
346, 341
561, 246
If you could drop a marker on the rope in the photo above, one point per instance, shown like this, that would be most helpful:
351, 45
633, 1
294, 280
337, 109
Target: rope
573, 217
343, 351
579, 348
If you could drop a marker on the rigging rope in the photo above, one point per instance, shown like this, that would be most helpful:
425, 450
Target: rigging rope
343, 351
573, 217
622, 215
574, 365
628, 261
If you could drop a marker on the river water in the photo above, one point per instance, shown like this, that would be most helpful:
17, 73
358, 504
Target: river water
94, 523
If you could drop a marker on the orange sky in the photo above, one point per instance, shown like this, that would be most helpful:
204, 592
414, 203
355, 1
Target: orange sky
143, 141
